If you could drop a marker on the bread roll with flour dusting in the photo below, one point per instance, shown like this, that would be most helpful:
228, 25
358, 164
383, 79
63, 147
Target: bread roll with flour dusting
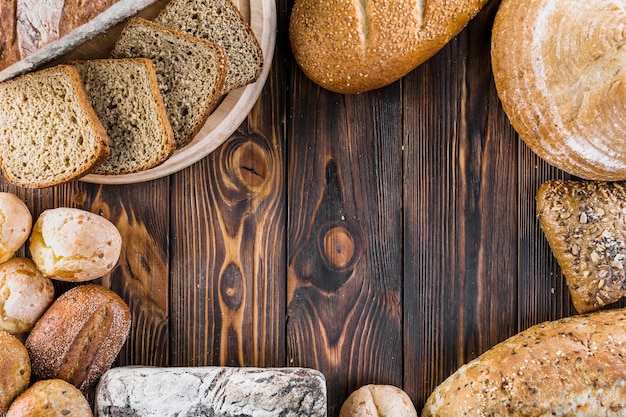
559, 71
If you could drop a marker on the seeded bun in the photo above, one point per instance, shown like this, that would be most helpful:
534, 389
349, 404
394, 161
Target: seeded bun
50, 398
15, 369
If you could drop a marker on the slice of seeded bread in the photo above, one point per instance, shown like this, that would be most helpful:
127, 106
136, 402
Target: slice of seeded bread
49, 132
190, 72
221, 22
125, 95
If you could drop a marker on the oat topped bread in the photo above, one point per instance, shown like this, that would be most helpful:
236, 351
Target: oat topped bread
585, 224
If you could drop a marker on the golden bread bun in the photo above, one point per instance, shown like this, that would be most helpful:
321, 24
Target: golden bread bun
378, 401
50, 398
559, 71
15, 224
24, 295
353, 46
14, 367
70, 244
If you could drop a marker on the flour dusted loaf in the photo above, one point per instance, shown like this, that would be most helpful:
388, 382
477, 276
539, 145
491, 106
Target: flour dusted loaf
49, 132
125, 95
352, 46
558, 69
50, 398
190, 72
15, 369
570, 367
15, 225
79, 336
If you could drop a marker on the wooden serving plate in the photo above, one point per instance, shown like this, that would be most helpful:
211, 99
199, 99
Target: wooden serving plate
234, 108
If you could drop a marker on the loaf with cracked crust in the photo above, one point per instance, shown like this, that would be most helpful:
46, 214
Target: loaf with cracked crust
585, 225
350, 46
559, 71
570, 367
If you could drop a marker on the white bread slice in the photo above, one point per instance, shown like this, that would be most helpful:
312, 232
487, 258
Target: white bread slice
219, 21
190, 72
49, 132
125, 95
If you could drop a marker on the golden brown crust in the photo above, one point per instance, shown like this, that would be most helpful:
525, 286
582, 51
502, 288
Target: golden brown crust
378, 401
79, 336
351, 46
558, 71
50, 398
14, 369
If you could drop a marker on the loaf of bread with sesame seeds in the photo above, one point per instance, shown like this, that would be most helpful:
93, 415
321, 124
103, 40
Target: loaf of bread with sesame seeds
570, 367
351, 46
584, 223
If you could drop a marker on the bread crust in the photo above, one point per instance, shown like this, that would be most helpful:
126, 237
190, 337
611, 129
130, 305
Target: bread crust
51, 397
16, 369
569, 367
350, 46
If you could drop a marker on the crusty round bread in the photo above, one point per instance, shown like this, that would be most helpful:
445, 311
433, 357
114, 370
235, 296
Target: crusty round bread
559, 71
378, 401
353, 46
70, 244
79, 336
15, 224
24, 295
50, 398
15, 369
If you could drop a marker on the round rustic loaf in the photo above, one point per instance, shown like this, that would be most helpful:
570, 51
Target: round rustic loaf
14, 369
378, 401
79, 336
15, 224
559, 71
24, 295
353, 46
70, 244
50, 398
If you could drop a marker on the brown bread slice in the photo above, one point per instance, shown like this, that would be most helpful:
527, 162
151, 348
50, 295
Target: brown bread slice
190, 72
125, 95
49, 132
219, 21
585, 225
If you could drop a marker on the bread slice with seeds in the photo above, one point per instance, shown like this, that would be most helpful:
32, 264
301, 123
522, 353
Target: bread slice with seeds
125, 95
49, 132
219, 21
585, 225
190, 72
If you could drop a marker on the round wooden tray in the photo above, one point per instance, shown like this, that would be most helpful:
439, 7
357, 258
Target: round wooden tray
228, 116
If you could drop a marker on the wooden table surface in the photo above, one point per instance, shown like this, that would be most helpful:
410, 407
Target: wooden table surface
384, 238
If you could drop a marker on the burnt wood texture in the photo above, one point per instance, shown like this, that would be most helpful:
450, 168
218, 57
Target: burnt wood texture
386, 237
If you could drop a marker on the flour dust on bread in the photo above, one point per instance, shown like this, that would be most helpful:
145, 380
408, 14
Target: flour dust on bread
49, 132
351, 46
559, 70
125, 95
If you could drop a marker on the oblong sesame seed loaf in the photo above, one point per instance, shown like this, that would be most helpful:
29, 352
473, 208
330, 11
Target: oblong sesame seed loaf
49, 132
125, 95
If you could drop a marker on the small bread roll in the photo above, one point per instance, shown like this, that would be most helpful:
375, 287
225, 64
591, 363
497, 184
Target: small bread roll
378, 401
75, 245
15, 224
50, 398
24, 295
15, 366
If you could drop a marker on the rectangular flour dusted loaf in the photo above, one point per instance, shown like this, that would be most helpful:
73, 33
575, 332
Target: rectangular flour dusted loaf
211, 391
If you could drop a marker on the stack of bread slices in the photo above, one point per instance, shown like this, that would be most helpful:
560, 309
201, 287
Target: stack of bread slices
130, 111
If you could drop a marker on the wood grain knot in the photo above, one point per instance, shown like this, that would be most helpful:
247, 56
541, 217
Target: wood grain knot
338, 246
231, 287
253, 165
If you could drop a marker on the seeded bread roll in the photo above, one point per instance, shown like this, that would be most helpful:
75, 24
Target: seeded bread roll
79, 336
15, 224
50, 398
183, 64
49, 133
378, 401
125, 95
570, 367
585, 225
559, 72
15, 369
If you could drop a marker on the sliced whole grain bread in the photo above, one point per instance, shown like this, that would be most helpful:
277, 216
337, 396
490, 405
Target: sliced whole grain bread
219, 21
190, 72
126, 97
49, 132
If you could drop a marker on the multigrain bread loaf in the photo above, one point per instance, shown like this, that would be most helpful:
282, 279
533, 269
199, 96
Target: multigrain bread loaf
49, 132
220, 22
570, 367
15, 225
585, 225
125, 95
190, 72
79, 336
15, 375
353, 46
50, 398
559, 72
